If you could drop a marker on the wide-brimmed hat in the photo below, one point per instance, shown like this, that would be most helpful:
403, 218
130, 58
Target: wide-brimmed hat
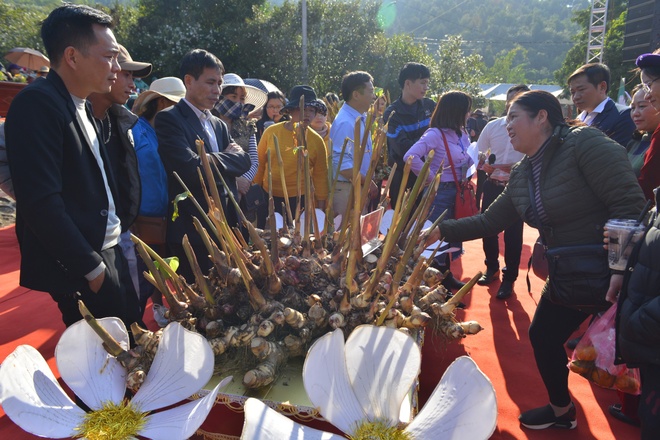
169, 87
294, 99
253, 95
648, 60
44, 69
139, 69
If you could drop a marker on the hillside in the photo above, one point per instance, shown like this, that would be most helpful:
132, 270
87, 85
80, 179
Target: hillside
490, 27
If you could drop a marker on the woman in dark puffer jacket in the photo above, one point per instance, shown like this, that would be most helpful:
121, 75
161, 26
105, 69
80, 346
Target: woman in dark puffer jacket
580, 178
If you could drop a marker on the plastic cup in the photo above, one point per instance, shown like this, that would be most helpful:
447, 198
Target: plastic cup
622, 233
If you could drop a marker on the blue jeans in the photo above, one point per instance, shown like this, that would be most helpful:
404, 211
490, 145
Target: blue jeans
445, 198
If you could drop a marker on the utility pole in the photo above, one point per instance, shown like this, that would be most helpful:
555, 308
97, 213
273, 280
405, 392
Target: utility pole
304, 41
597, 30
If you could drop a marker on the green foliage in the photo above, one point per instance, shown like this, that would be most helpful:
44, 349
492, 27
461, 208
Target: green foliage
493, 27
257, 39
20, 26
454, 70
165, 31
508, 67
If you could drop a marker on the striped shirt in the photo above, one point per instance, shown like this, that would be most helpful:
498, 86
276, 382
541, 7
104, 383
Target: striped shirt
536, 161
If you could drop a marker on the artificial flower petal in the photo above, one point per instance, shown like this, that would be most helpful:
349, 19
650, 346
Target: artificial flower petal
182, 366
382, 366
327, 383
463, 405
87, 368
181, 422
264, 423
32, 398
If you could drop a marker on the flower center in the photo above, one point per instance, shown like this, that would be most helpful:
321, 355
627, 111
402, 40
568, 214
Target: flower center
379, 431
112, 422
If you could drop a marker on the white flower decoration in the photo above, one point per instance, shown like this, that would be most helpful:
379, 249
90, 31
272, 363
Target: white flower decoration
32, 398
365, 382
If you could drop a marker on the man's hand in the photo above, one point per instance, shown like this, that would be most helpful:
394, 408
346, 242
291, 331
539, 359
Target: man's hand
243, 185
233, 148
96, 283
488, 168
616, 282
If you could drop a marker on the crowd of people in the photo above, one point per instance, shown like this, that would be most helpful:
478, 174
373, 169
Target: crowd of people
86, 171
14, 72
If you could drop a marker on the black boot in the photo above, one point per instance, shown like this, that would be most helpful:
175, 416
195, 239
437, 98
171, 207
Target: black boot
452, 283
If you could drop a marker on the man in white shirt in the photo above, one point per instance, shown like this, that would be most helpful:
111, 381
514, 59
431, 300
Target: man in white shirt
357, 89
500, 156
589, 85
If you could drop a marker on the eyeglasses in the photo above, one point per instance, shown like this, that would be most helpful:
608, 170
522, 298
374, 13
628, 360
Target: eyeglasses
647, 86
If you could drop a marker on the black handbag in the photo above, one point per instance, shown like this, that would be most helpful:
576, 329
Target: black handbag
252, 200
578, 276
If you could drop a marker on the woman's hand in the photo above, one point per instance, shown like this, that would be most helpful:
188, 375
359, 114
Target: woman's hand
616, 282
426, 238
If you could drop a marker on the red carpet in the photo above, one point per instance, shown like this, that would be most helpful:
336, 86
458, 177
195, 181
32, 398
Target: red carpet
502, 350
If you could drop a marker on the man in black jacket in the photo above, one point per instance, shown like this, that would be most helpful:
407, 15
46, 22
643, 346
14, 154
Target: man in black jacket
638, 322
408, 118
177, 129
115, 122
67, 221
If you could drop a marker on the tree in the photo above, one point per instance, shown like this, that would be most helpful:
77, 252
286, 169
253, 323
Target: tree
20, 26
509, 67
454, 70
576, 56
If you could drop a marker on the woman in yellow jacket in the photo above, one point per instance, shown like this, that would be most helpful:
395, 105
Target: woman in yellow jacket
287, 136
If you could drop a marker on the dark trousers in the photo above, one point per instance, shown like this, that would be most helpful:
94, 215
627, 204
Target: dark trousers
649, 405
551, 327
116, 297
262, 210
397, 178
513, 239
481, 178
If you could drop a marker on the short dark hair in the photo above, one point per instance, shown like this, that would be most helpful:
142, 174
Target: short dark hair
353, 81
331, 97
71, 25
195, 61
536, 100
518, 88
229, 90
413, 72
596, 74
451, 110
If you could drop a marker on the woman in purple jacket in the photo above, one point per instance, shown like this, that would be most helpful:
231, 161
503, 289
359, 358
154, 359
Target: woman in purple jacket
447, 127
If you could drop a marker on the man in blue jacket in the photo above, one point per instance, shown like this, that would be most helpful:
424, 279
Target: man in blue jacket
589, 85
408, 118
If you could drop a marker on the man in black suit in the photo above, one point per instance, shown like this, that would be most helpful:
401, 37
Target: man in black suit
589, 85
177, 129
67, 221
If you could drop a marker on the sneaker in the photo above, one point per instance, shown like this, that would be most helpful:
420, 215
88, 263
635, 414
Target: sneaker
544, 417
